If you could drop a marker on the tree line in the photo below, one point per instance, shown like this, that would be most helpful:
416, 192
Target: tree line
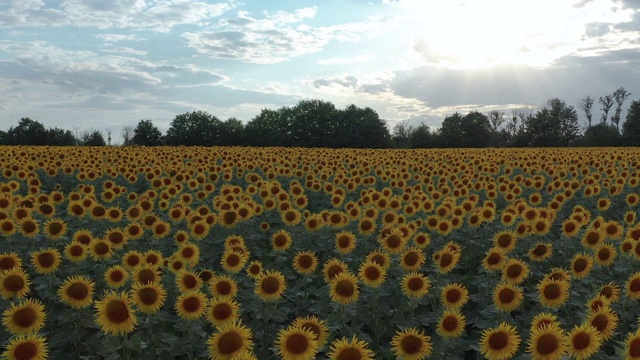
316, 123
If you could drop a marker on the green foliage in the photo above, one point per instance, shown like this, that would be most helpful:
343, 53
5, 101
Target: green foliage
554, 125
602, 134
472, 130
232, 133
93, 138
28, 132
631, 127
197, 128
147, 134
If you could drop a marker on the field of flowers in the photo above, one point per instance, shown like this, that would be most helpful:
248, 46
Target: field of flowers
284, 253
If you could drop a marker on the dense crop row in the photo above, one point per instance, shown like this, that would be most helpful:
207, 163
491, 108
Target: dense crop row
249, 253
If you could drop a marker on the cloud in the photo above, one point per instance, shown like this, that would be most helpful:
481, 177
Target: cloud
343, 60
274, 38
159, 15
596, 29
112, 38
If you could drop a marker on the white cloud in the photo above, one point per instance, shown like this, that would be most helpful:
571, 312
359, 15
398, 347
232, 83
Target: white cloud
112, 38
273, 39
343, 60
155, 15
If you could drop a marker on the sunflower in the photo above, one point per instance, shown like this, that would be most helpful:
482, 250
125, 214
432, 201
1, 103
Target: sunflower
223, 285
14, 282
411, 344
447, 260
188, 281
366, 226
633, 286
597, 302
28, 227
393, 242
605, 320
175, 264
318, 327
505, 240
145, 273
454, 296
199, 230
611, 291
116, 276
380, 257
114, 314
515, 271
592, 238
548, 343
55, 228
152, 257
421, 239
451, 324
412, 259
117, 238
160, 229
7, 227
541, 251
148, 298
344, 288
500, 343
342, 349
584, 341
305, 262
75, 252
603, 204
281, 240
31, 347
507, 297
371, 274
100, 250
292, 217
632, 346
77, 291
581, 265
270, 286
612, 229
191, 305
345, 242
232, 341
570, 227
131, 259
254, 270
233, 261
559, 274
494, 259
24, 317
134, 231
296, 343
9, 261
542, 319
332, 268
415, 285
222, 310
553, 293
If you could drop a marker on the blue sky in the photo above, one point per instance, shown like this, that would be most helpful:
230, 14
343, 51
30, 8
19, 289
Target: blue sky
98, 65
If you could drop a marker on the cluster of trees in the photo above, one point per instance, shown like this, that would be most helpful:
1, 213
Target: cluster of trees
315, 123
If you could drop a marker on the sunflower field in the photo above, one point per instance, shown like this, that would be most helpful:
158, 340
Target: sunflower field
298, 254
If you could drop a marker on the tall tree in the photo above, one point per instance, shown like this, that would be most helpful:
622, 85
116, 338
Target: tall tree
313, 123
607, 103
4, 138
401, 136
620, 96
601, 134
93, 138
554, 125
269, 128
60, 137
232, 132
146, 134
471, 130
631, 126
127, 135
197, 128
359, 128
586, 105
28, 132
421, 137
496, 119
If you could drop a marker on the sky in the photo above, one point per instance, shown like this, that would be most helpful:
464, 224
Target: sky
106, 64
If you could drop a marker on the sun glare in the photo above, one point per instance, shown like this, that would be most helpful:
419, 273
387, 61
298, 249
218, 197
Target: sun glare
473, 34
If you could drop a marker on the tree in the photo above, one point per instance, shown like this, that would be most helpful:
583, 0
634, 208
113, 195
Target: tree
496, 119
601, 134
28, 132
471, 130
93, 138
4, 138
313, 124
108, 131
359, 128
197, 128
232, 132
586, 105
60, 137
607, 103
421, 137
401, 137
631, 127
127, 134
146, 134
554, 125
269, 128
620, 96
